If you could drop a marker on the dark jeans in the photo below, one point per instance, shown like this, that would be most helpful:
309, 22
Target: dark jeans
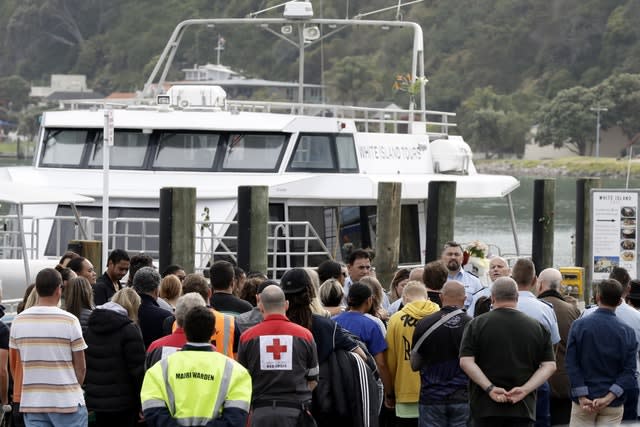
124, 418
445, 415
17, 418
406, 422
543, 408
502, 422
560, 411
630, 405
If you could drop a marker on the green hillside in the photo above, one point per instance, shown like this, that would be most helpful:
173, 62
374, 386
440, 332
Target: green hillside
526, 50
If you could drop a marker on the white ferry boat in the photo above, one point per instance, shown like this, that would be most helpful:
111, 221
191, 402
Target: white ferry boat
321, 163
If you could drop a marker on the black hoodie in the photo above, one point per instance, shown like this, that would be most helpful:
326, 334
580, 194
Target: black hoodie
115, 360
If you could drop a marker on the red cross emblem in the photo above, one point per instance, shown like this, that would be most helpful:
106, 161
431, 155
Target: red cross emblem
276, 349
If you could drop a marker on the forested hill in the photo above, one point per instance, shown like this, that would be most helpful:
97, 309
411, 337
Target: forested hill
529, 49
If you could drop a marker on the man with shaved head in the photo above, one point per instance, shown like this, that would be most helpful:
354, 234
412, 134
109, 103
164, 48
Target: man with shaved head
283, 362
507, 355
550, 287
498, 267
444, 399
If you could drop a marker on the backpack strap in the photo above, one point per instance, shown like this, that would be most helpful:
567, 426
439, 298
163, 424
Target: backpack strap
442, 321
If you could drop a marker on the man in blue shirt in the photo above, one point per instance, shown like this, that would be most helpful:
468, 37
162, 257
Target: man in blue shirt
452, 256
630, 317
601, 361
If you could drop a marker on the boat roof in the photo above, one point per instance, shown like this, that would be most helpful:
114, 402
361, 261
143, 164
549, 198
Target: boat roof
22, 194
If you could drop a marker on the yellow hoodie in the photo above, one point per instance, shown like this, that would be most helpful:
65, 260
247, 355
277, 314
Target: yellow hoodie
399, 339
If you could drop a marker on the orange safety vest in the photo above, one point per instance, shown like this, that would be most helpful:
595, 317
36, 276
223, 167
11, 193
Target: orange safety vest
223, 333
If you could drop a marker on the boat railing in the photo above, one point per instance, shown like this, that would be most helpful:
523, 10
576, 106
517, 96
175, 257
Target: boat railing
289, 243
367, 119
10, 239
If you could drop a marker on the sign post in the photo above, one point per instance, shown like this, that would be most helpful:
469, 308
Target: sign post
107, 143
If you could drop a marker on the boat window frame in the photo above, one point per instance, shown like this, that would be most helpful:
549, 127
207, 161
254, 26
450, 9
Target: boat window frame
94, 136
334, 153
223, 149
99, 139
155, 146
90, 138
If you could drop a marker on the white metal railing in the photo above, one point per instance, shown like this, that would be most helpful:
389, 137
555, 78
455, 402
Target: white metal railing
10, 242
367, 119
289, 243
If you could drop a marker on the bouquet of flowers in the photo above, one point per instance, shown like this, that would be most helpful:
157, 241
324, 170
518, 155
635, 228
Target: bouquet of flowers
477, 249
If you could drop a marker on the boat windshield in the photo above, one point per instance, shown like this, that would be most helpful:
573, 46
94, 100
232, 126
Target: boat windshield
165, 150
128, 151
252, 151
64, 147
186, 150
324, 153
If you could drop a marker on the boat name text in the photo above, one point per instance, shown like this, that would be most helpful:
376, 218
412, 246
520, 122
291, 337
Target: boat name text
382, 152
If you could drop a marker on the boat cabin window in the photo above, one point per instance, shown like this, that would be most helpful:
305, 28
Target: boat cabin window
63, 147
346, 153
253, 151
324, 153
128, 151
186, 150
211, 151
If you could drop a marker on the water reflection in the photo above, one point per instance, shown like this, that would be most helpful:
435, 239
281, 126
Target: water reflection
488, 220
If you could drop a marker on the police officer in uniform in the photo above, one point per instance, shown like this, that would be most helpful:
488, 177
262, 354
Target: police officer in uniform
283, 361
196, 386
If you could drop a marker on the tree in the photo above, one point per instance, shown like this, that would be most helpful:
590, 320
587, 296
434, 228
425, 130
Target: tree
352, 79
14, 92
568, 121
621, 95
491, 123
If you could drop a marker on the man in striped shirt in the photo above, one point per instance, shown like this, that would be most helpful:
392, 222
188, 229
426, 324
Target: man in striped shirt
49, 343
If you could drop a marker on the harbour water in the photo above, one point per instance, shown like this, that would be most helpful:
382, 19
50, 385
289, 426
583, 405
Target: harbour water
487, 220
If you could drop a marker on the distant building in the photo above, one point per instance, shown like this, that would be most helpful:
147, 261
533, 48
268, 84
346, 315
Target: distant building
65, 88
613, 143
62, 83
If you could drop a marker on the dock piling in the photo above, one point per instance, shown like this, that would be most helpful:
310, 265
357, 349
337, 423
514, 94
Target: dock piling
544, 199
388, 231
583, 231
441, 214
253, 217
177, 227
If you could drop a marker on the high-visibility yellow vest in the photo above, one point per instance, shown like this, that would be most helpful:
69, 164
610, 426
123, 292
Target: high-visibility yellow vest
196, 386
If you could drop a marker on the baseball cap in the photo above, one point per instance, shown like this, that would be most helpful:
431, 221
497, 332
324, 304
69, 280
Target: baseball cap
295, 281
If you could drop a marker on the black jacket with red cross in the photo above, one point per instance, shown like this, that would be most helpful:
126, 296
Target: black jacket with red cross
281, 357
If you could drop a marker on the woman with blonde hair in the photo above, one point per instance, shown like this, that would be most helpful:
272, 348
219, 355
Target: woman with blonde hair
115, 361
331, 293
129, 300
78, 300
171, 289
316, 305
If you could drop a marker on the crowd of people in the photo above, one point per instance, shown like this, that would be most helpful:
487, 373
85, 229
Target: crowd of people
324, 346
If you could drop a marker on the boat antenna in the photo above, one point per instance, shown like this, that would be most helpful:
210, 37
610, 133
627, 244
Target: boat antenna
260, 12
397, 7
219, 48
